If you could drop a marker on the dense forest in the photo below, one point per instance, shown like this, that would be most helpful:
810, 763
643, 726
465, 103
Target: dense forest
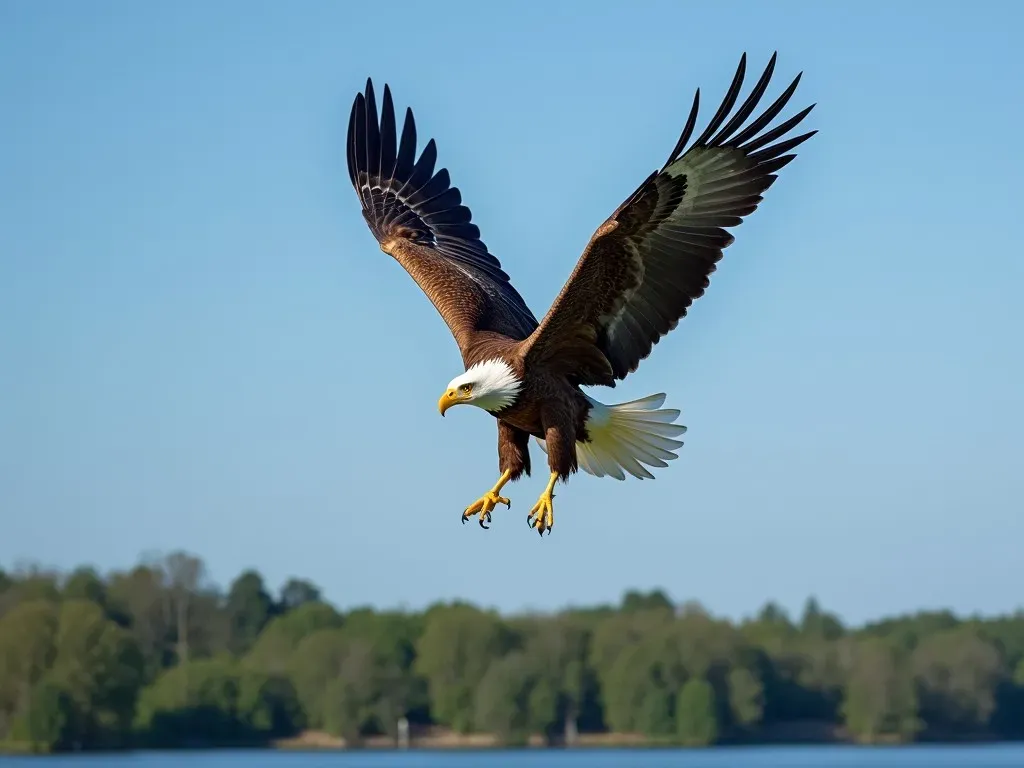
158, 657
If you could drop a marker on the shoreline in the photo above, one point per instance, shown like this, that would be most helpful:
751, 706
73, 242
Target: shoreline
433, 739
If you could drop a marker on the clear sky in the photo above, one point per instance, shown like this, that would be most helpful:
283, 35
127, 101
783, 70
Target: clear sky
202, 347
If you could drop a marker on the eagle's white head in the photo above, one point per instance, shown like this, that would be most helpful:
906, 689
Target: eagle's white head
491, 385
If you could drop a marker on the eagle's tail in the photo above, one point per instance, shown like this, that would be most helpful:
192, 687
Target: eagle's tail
628, 435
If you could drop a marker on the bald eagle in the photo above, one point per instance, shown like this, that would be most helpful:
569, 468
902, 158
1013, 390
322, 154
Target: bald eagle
637, 276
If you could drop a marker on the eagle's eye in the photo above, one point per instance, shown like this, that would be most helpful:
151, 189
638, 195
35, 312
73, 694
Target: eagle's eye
466, 389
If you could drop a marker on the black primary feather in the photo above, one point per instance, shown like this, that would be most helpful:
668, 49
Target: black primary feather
405, 197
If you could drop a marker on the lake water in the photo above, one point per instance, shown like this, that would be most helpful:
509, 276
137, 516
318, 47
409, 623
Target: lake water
987, 756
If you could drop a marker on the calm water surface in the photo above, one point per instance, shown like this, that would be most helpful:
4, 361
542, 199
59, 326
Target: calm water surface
994, 756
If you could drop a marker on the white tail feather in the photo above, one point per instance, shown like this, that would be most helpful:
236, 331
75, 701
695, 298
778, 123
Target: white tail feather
628, 435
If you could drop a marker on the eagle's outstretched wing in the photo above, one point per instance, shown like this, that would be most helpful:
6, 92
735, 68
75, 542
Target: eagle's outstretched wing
648, 262
417, 216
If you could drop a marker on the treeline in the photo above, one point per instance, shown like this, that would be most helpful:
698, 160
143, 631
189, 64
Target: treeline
158, 657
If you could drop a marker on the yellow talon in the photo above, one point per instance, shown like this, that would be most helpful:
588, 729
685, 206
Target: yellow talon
542, 516
486, 503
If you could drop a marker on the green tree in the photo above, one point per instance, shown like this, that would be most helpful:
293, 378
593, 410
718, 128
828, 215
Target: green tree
200, 628
774, 614
817, 622
273, 649
453, 654
397, 690
139, 600
626, 687
746, 697
26, 587
957, 673
313, 668
502, 699
350, 696
215, 701
28, 646
248, 609
656, 600
267, 705
85, 584
880, 702
298, 592
907, 631
613, 636
655, 716
562, 682
44, 723
192, 704
98, 667
696, 718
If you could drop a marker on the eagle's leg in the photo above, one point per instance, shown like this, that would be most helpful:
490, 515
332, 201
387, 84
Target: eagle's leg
542, 516
562, 463
486, 503
513, 461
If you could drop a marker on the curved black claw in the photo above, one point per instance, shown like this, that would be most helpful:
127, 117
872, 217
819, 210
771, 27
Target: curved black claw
541, 518
535, 522
483, 506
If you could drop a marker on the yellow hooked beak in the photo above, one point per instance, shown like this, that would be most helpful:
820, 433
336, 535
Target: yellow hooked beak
450, 398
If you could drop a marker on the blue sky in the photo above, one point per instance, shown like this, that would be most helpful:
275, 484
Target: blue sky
202, 347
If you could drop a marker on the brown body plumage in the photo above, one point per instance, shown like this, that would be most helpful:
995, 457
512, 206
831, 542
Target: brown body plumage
549, 407
640, 272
